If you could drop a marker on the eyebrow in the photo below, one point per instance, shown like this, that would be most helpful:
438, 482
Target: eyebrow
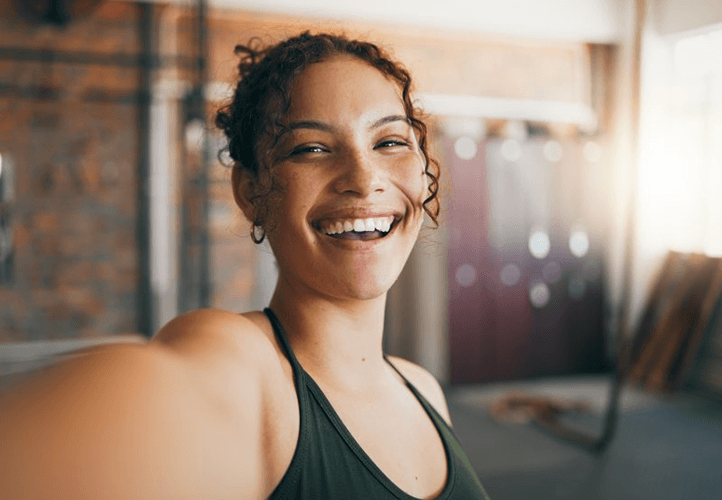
310, 124
325, 127
389, 119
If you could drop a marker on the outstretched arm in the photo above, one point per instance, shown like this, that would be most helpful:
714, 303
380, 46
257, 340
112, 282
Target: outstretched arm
134, 421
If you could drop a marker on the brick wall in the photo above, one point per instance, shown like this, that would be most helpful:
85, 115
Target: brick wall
73, 216
70, 130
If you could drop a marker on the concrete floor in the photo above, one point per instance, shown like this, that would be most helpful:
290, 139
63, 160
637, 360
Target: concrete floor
665, 447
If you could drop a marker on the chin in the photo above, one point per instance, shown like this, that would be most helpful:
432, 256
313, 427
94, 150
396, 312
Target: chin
367, 286
368, 292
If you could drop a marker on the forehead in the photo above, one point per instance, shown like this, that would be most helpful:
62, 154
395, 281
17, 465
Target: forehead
343, 88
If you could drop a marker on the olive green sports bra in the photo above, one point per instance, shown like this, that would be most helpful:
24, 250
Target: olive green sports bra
329, 464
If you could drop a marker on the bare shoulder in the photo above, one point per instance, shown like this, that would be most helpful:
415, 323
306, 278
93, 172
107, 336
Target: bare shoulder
233, 355
219, 344
426, 383
208, 332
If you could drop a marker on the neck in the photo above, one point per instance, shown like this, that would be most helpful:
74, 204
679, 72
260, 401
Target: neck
338, 342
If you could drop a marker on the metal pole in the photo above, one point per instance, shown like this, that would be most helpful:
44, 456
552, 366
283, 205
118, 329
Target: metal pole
205, 262
145, 293
622, 340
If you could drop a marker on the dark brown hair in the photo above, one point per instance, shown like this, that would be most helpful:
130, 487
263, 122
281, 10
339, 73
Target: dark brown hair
252, 120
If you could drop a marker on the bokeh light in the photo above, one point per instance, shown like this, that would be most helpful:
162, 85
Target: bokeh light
511, 150
539, 244
466, 275
539, 294
553, 151
510, 274
579, 243
465, 148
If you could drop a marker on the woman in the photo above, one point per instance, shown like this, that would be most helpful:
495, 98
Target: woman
298, 401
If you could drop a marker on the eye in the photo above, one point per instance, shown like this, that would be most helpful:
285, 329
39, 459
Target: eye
391, 143
308, 149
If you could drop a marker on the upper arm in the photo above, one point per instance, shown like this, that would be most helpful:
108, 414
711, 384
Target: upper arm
219, 344
220, 348
426, 383
128, 422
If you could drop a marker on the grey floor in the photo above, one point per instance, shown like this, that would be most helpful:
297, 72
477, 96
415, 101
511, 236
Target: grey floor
666, 447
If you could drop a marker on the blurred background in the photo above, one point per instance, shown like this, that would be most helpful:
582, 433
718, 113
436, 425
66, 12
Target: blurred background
580, 145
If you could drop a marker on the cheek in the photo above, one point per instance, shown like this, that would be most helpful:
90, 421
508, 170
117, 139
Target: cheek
414, 182
425, 183
290, 197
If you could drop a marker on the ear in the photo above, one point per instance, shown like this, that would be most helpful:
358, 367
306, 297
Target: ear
244, 187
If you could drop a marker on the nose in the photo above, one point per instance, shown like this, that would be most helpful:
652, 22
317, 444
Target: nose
359, 174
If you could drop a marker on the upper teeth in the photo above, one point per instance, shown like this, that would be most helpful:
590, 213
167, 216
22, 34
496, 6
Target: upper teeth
359, 225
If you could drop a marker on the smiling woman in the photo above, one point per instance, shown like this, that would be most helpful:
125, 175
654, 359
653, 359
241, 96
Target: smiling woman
298, 401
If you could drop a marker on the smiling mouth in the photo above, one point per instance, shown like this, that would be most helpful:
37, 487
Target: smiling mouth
358, 229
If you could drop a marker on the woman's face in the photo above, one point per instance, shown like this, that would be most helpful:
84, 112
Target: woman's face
352, 183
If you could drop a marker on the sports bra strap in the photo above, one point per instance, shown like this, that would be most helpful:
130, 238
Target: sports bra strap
281, 336
397, 371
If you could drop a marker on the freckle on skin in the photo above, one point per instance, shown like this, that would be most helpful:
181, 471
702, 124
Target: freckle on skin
363, 360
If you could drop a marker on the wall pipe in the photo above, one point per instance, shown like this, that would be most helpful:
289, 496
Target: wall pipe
145, 75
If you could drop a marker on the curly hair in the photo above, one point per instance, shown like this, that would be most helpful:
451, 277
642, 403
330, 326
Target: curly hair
253, 119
